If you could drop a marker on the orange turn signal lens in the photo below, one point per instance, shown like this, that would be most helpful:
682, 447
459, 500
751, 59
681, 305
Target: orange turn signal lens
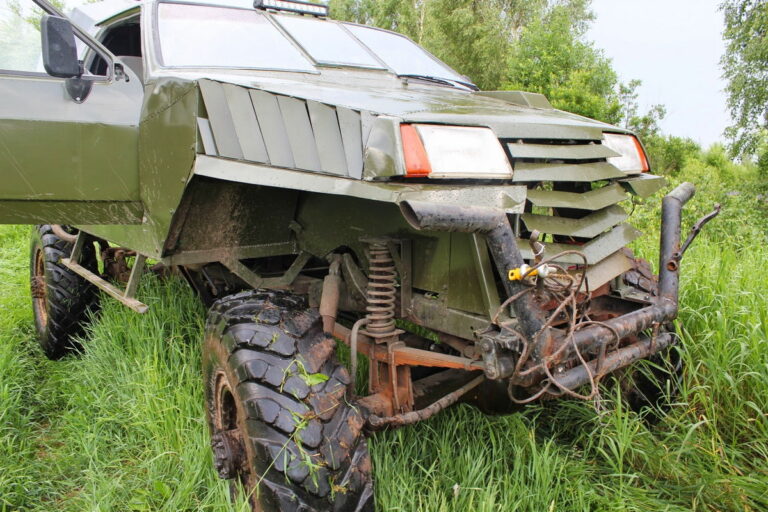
416, 161
643, 158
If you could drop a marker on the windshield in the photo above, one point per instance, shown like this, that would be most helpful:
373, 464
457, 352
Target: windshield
202, 36
212, 36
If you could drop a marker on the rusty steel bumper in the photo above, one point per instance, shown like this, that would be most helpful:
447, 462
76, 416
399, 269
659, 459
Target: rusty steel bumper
531, 319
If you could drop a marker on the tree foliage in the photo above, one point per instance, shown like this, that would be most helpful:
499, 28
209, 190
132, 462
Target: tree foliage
745, 66
532, 45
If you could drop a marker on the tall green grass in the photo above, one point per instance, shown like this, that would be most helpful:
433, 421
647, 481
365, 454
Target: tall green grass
122, 427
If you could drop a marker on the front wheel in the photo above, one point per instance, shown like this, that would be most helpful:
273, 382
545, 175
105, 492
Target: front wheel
276, 400
62, 301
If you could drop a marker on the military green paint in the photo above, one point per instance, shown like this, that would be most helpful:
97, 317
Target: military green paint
330, 147
522, 98
53, 149
167, 143
510, 198
593, 200
382, 158
352, 139
560, 151
463, 291
70, 212
644, 185
220, 117
611, 267
206, 137
300, 135
245, 122
585, 227
198, 207
528, 172
595, 250
273, 128
431, 313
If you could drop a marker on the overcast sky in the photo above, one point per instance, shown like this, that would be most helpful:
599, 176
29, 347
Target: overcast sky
674, 47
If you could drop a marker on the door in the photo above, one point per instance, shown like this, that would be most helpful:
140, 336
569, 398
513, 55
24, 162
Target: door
66, 157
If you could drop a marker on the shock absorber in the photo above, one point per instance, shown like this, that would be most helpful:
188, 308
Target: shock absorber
381, 291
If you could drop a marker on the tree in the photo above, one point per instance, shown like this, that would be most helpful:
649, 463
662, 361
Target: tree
745, 66
531, 45
554, 58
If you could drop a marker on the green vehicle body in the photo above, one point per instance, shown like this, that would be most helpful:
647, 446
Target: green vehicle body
258, 179
304, 163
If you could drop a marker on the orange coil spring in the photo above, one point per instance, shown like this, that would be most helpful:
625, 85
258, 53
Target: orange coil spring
381, 291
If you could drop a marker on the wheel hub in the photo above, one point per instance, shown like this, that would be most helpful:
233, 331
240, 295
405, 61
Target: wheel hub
228, 453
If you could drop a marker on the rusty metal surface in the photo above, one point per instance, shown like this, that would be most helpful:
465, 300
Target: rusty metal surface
580, 375
426, 413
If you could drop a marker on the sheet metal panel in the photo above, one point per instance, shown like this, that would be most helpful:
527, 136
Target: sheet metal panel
221, 119
300, 135
206, 136
352, 137
586, 227
246, 124
611, 267
595, 250
526, 172
561, 151
367, 120
330, 148
593, 200
273, 128
644, 185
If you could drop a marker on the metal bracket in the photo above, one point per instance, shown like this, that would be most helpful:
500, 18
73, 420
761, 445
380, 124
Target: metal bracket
697, 229
125, 297
256, 281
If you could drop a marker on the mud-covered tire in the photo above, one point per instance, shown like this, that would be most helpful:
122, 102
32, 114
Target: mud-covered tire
302, 443
62, 301
655, 384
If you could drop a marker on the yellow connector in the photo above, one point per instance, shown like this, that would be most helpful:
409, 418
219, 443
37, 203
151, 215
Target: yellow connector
518, 273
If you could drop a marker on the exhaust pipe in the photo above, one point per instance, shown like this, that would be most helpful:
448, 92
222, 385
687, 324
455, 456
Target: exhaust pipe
492, 223
666, 306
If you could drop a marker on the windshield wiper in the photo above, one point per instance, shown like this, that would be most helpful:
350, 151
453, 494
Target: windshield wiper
442, 81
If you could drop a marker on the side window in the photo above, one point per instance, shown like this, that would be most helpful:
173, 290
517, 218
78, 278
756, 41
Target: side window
20, 49
122, 39
20, 42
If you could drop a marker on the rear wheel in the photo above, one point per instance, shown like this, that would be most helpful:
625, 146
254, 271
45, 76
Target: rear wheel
276, 399
62, 301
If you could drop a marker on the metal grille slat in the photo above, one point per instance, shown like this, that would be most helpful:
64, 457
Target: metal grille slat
645, 185
586, 227
560, 151
595, 250
565, 172
592, 200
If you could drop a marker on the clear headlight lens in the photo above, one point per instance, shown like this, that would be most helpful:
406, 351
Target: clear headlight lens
632, 157
437, 151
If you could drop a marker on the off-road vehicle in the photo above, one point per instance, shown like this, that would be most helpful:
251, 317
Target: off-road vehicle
324, 185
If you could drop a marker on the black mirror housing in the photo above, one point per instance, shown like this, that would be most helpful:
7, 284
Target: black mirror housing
59, 50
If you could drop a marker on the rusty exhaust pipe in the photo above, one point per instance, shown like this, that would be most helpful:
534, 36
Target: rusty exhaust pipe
666, 306
492, 223
578, 376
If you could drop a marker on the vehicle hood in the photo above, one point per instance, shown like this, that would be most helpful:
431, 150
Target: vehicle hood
416, 102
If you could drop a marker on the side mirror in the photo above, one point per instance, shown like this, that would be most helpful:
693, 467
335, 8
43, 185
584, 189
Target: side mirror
59, 50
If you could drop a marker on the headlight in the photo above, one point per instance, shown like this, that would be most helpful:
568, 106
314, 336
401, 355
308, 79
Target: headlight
437, 151
632, 157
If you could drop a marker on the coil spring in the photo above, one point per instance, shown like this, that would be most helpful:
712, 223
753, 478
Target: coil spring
381, 291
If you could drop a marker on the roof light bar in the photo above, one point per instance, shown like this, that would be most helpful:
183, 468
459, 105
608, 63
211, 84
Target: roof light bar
297, 6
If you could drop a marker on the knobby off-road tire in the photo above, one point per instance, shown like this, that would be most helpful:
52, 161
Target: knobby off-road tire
62, 301
656, 385
295, 444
